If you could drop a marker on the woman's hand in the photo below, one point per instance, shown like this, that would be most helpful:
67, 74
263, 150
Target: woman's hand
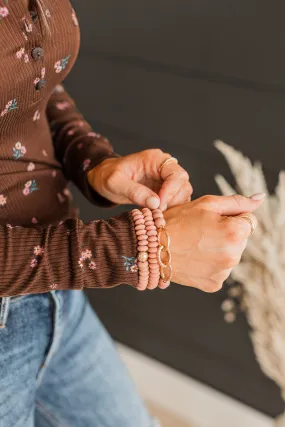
135, 179
208, 238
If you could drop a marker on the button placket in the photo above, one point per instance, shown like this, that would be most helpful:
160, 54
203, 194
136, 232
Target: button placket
36, 52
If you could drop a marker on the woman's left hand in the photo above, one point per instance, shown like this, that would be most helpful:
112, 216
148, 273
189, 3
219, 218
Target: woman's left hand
135, 179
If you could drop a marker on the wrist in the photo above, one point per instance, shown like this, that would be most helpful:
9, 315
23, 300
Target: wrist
98, 174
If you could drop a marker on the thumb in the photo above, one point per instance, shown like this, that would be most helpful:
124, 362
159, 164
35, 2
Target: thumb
139, 194
234, 205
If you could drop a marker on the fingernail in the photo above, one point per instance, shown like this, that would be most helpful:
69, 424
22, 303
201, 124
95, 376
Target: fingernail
258, 196
152, 202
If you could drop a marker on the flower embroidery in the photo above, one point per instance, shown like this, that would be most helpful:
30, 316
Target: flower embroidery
11, 105
19, 151
62, 105
61, 64
130, 264
38, 253
92, 265
3, 12
53, 286
86, 164
47, 13
37, 116
53, 174
43, 73
25, 36
38, 250
3, 200
31, 166
44, 153
34, 262
71, 132
86, 256
74, 18
20, 53
34, 220
30, 187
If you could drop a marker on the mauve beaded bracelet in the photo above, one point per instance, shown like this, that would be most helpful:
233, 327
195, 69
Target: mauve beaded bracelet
153, 265
160, 222
142, 248
147, 224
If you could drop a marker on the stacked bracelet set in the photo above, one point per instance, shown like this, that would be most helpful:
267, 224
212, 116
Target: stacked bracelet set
153, 243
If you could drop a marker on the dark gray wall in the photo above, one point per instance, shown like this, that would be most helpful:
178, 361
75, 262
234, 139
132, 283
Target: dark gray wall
177, 75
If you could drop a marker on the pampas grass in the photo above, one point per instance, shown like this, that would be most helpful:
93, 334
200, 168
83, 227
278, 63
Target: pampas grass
262, 269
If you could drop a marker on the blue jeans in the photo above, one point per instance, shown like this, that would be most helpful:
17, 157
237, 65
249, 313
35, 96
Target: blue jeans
58, 367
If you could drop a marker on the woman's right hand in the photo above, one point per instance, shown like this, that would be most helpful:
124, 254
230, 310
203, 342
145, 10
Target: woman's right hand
208, 238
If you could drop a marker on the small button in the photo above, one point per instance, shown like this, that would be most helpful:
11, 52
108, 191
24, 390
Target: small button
41, 84
37, 53
34, 16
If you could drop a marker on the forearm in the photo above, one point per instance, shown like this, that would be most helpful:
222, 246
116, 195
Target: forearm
72, 255
77, 147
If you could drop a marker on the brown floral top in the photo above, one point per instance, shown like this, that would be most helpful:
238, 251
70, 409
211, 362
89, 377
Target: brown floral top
44, 143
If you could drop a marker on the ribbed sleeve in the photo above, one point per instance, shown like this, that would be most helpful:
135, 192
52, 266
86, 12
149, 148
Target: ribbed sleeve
77, 147
72, 255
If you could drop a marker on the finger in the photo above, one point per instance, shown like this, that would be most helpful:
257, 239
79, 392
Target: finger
237, 229
136, 193
174, 177
233, 205
183, 196
243, 226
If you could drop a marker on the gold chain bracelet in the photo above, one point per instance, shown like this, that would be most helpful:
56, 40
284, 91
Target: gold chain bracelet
165, 267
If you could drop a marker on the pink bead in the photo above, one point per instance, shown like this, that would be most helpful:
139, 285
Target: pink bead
142, 237
146, 210
153, 244
137, 215
139, 227
151, 227
157, 215
136, 212
152, 233
148, 220
162, 284
152, 285
142, 242
160, 222
152, 239
155, 211
152, 260
149, 223
139, 221
140, 233
152, 250
142, 248
154, 267
152, 256
153, 282
144, 275
141, 264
